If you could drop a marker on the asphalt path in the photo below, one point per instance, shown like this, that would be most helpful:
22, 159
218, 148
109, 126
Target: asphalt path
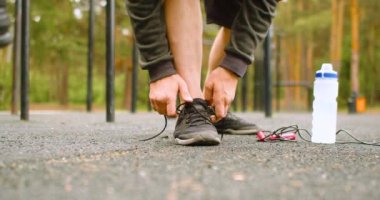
73, 155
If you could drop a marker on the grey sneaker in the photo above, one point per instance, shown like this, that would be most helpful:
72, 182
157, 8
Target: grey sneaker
194, 126
233, 124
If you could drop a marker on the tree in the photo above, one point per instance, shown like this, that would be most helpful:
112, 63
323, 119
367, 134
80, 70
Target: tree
355, 47
336, 36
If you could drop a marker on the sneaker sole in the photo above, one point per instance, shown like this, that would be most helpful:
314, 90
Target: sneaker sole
238, 132
198, 140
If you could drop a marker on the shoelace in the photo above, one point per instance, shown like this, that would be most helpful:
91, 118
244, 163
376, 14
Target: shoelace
195, 120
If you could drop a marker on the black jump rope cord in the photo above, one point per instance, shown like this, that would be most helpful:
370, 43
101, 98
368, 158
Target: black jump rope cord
298, 131
289, 129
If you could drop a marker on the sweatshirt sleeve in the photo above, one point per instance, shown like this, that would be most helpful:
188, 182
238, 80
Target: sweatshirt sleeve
249, 28
148, 22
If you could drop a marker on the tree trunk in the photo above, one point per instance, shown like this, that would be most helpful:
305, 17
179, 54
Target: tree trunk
334, 13
310, 67
297, 69
355, 47
298, 60
336, 32
290, 73
340, 26
64, 86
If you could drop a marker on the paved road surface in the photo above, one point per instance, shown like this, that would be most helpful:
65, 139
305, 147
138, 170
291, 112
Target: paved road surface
66, 155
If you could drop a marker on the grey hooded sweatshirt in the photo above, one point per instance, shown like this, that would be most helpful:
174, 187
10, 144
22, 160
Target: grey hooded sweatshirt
248, 29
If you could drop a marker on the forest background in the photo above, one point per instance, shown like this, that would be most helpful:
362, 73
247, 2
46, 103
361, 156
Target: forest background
306, 33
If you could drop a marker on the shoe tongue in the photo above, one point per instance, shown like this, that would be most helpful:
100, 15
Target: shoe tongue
199, 103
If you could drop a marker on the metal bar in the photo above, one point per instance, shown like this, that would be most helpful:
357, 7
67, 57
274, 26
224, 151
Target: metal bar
148, 100
110, 60
134, 77
244, 99
90, 56
267, 77
258, 80
16, 58
235, 101
305, 84
254, 86
278, 75
25, 60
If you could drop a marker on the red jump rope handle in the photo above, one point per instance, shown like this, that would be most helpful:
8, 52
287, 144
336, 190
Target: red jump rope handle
286, 136
260, 136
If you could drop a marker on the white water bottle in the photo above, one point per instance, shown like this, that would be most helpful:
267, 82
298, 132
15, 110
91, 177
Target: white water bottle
324, 105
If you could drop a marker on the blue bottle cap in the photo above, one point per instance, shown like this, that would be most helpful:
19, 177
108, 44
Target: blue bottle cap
326, 71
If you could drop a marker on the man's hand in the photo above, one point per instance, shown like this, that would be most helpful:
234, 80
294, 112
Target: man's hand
163, 94
220, 88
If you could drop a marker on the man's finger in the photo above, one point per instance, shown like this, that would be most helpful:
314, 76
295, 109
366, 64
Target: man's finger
153, 104
161, 108
226, 107
219, 110
208, 94
171, 109
184, 91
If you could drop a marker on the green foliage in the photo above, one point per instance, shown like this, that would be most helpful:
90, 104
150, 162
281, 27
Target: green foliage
344, 73
314, 22
5, 85
317, 22
59, 42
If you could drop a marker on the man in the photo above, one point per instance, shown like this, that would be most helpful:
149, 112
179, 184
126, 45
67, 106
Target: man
5, 36
169, 38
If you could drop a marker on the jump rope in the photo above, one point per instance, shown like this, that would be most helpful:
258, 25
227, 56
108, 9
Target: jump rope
287, 134
290, 133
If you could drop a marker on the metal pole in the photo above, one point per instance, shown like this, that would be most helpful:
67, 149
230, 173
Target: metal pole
134, 77
244, 93
278, 57
148, 100
254, 86
90, 56
110, 60
16, 58
234, 102
267, 76
25, 60
258, 81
